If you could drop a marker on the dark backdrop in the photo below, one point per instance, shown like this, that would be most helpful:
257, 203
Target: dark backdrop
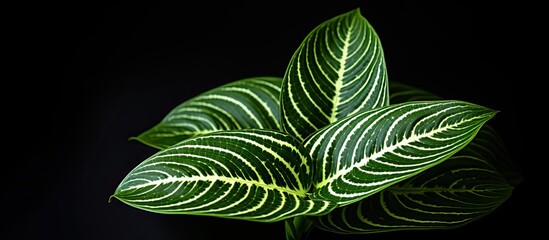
99, 73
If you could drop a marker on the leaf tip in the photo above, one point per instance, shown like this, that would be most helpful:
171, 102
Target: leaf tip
486, 111
355, 12
146, 142
493, 112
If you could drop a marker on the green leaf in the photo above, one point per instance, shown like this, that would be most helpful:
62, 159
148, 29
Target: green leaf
369, 151
242, 104
487, 144
255, 175
338, 70
401, 92
460, 190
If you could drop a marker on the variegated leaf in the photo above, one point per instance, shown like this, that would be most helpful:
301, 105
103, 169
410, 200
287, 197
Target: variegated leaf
487, 144
369, 151
460, 190
242, 104
338, 70
250, 174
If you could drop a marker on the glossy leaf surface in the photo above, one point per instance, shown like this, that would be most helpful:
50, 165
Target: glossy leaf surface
243, 104
460, 190
367, 152
256, 175
338, 70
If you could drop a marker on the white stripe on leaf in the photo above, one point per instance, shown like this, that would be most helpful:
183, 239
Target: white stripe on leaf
338, 70
395, 139
248, 174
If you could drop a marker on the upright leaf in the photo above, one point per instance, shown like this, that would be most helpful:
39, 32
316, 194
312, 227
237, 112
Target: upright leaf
338, 70
460, 190
369, 151
246, 103
255, 175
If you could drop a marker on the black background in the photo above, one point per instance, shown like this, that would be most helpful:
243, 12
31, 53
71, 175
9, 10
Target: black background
95, 74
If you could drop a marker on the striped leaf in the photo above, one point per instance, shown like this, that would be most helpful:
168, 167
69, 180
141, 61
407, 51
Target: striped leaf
460, 190
242, 104
369, 151
255, 175
338, 70
401, 92
488, 143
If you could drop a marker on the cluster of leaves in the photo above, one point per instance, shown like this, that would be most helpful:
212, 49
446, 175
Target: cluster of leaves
332, 144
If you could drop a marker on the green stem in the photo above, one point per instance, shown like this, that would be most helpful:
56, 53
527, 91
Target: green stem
298, 228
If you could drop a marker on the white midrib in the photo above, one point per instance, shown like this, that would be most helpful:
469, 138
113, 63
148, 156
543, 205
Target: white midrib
228, 180
379, 154
339, 82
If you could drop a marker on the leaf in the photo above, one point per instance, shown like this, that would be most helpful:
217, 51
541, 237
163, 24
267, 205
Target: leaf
460, 190
242, 104
338, 70
369, 151
487, 144
401, 92
255, 175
